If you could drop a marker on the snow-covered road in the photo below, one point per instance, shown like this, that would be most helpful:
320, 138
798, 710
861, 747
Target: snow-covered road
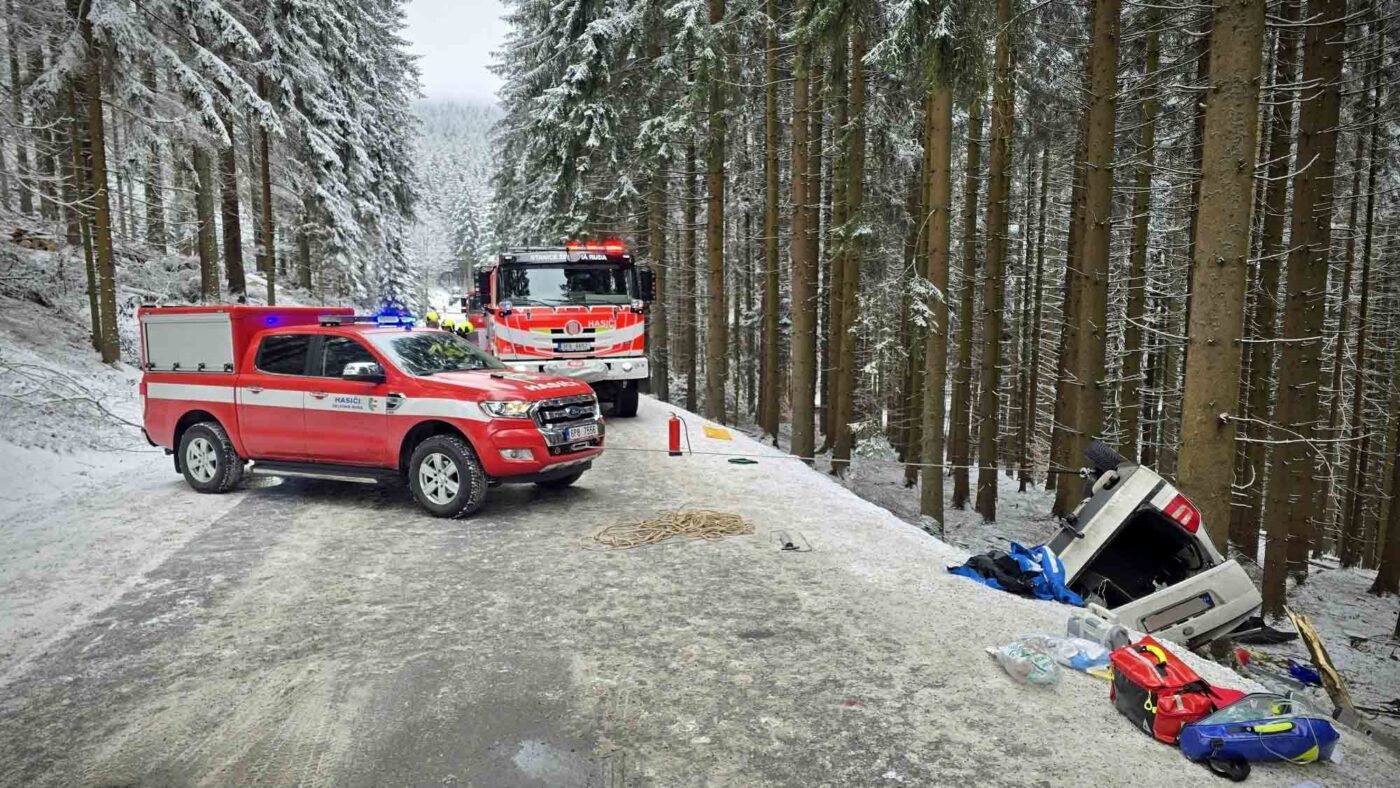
333, 634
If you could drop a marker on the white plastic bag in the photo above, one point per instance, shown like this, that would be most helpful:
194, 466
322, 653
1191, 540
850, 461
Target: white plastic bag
1027, 660
1076, 653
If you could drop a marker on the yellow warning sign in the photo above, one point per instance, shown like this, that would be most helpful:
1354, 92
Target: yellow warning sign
718, 433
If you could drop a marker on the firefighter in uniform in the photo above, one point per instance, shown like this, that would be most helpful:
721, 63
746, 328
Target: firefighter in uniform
432, 318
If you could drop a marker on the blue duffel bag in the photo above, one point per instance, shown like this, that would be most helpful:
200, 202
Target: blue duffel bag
1262, 726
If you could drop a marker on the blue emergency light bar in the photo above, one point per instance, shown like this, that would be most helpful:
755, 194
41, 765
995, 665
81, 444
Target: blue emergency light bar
405, 320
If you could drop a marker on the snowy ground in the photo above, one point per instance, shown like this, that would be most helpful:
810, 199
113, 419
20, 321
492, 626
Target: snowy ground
1356, 626
331, 634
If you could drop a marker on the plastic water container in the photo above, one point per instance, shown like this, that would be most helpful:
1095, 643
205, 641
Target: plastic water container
1098, 625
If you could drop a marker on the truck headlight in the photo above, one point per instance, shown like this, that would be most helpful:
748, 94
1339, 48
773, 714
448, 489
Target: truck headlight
626, 366
508, 409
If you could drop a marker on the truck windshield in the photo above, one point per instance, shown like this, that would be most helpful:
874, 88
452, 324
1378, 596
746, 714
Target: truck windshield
575, 284
431, 352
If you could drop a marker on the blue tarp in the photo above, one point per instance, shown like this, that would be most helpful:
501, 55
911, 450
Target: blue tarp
1040, 569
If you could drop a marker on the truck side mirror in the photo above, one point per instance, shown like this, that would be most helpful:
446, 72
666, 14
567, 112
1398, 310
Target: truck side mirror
363, 371
646, 281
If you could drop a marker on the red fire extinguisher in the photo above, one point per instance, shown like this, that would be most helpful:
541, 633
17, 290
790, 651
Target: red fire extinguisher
673, 436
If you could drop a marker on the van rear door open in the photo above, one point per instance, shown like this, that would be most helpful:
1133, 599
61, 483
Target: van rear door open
1123, 551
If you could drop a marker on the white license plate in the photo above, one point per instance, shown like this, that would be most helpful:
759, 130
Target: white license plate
572, 347
581, 433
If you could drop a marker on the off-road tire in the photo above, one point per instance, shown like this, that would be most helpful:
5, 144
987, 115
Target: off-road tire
625, 404
560, 482
471, 490
1102, 458
228, 466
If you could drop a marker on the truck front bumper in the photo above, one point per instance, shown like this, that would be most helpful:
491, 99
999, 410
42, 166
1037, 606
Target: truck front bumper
518, 448
588, 370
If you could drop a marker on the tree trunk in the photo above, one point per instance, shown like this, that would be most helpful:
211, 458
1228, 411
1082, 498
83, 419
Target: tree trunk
1221, 266
959, 431
44, 170
1130, 393
804, 337
102, 209
1091, 316
269, 247
1062, 438
1015, 462
658, 342
154, 187
1388, 573
1354, 545
26, 195
78, 151
717, 329
998, 193
940, 208
1291, 488
772, 376
204, 218
915, 346
689, 292
837, 249
845, 371
233, 230
69, 159
308, 214
1265, 319
1031, 414
747, 325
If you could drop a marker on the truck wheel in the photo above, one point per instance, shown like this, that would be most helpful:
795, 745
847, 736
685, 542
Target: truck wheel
625, 403
446, 478
1102, 458
561, 482
207, 458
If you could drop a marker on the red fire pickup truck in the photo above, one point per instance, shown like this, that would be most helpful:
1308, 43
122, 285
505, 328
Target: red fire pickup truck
322, 393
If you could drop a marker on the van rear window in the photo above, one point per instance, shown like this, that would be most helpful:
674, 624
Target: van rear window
284, 354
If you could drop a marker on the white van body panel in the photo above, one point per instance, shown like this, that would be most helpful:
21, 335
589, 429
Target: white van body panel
1195, 610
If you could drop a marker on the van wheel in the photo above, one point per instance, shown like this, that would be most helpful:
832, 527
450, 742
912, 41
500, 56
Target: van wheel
560, 482
625, 402
1102, 458
446, 478
207, 458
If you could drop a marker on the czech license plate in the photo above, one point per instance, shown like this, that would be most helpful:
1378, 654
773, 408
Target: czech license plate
573, 347
581, 433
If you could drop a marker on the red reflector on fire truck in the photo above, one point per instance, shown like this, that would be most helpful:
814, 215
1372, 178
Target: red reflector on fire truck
1180, 509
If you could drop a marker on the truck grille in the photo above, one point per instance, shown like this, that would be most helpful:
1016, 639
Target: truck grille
566, 410
555, 417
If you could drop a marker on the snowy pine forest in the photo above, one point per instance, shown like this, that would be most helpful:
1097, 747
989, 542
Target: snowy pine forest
989, 233
964, 237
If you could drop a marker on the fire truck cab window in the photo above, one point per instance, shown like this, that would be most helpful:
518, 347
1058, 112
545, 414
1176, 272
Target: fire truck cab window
548, 286
336, 352
284, 354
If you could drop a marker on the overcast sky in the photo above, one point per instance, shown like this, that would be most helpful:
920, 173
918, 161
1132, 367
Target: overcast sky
455, 39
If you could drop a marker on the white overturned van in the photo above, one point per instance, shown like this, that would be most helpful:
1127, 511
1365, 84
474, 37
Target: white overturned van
1137, 547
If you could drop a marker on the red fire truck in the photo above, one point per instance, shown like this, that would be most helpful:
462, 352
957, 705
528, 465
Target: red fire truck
324, 393
577, 310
